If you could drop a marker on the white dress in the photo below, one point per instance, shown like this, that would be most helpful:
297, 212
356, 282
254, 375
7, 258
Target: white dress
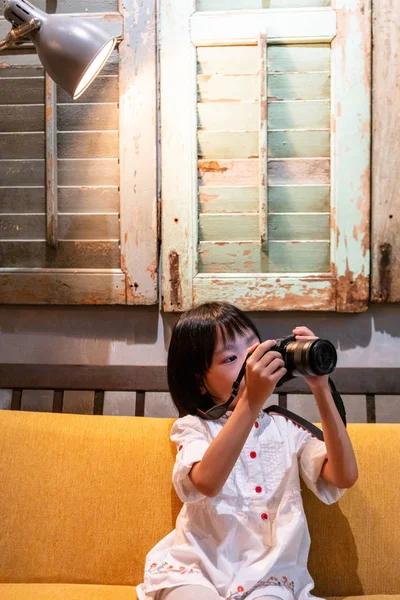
252, 539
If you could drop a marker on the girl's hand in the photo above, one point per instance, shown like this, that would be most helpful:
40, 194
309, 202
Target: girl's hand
303, 333
263, 371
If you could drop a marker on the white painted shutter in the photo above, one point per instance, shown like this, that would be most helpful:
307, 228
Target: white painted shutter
104, 215
265, 155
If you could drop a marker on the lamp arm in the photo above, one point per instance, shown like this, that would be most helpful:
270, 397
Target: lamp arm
16, 35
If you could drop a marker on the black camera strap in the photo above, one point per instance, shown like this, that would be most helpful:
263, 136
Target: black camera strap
297, 420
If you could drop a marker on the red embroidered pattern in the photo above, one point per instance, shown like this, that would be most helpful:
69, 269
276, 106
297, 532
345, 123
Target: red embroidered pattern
282, 582
167, 568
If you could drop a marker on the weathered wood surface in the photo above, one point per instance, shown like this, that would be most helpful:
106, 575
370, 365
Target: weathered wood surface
385, 153
254, 4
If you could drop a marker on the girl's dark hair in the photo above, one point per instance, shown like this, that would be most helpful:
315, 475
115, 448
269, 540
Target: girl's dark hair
191, 350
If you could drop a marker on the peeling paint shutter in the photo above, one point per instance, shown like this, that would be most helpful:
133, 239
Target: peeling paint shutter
103, 215
265, 137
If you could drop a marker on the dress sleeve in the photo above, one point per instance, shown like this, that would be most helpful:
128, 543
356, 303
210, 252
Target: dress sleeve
311, 454
191, 440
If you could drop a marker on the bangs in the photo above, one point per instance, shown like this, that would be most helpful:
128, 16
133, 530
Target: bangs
232, 326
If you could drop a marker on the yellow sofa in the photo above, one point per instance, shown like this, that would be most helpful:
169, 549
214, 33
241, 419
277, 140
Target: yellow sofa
83, 499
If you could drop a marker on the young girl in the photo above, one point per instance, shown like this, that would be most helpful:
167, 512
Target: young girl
242, 531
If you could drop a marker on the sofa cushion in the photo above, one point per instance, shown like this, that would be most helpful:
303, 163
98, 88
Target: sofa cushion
62, 591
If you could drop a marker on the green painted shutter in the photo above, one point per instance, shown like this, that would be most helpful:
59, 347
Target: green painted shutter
106, 240
266, 122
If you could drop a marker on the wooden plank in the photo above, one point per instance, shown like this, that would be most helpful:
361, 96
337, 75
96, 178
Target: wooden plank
351, 124
51, 163
228, 172
228, 60
87, 172
110, 22
73, 6
227, 144
294, 226
247, 257
69, 255
14, 118
57, 287
22, 90
300, 144
229, 227
299, 115
58, 399
228, 199
222, 116
139, 151
269, 293
88, 199
254, 4
299, 198
385, 153
88, 117
298, 171
16, 399
88, 144
71, 200
299, 86
71, 227
127, 378
22, 199
105, 88
299, 58
23, 172
208, 28
227, 88
22, 145
98, 405
178, 139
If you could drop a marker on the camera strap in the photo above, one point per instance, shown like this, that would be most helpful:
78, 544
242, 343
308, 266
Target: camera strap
297, 420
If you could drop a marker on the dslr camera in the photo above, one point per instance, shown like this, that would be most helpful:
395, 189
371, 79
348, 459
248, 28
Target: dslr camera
305, 357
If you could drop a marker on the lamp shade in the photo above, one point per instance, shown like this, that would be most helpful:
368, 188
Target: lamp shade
72, 50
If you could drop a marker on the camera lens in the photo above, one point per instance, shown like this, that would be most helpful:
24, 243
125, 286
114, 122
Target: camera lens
322, 357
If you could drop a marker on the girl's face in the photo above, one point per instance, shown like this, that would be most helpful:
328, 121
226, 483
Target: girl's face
226, 363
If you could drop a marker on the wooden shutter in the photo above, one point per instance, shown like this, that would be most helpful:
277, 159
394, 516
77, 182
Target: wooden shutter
81, 229
265, 154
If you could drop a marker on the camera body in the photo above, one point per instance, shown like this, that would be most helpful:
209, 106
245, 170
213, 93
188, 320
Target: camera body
305, 357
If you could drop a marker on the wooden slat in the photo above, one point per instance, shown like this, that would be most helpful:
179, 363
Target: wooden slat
222, 116
229, 227
300, 144
60, 287
22, 172
227, 88
51, 163
281, 257
82, 172
74, 6
22, 90
254, 4
299, 57
22, 145
299, 115
154, 378
299, 198
299, 226
22, 118
71, 200
228, 60
111, 22
69, 254
98, 405
16, 399
282, 400
93, 144
140, 403
298, 171
299, 86
227, 144
87, 117
58, 399
228, 199
71, 227
385, 154
371, 409
241, 227
228, 172
242, 60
